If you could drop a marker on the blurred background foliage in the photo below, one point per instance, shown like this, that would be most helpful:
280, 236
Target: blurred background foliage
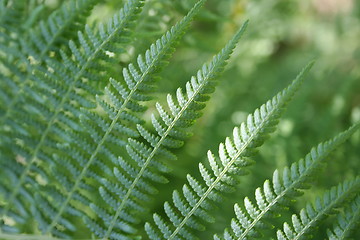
282, 37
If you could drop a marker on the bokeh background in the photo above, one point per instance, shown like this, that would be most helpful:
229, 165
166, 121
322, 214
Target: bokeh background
282, 37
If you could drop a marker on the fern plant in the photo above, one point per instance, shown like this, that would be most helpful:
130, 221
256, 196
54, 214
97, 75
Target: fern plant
270, 198
85, 150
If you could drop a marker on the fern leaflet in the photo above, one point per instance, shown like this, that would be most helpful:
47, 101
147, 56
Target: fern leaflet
233, 156
311, 215
106, 132
45, 38
347, 221
171, 131
11, 16
55, 118
268, 198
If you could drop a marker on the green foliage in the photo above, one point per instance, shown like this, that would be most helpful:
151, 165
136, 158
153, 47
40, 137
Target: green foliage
86, 152
273, 195
233, 157
346, 222
312, 214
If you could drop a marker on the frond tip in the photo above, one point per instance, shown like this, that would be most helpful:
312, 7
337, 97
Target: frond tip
196, 199
171, 131
131, 189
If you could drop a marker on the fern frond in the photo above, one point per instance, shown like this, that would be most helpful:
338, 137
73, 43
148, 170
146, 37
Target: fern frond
346, 222
61, 25
109, 130
46, 37
233, 158
11, 57
133, 186
310, 216
56, 98
274, 195
11, 16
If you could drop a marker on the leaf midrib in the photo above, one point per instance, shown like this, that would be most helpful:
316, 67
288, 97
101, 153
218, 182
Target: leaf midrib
328, 147
278, 197
83, 172
112, 125
23, 84
153, 152
222, 173
355, 218
54, 117
326, 209
176, 30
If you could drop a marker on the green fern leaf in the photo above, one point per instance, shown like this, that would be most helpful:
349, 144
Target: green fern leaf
346, 222
11, 16
11, 58
233, 158
59, 110
66, 21
80, 157
311, 215
133, 187
268, 198
106, 132
47, 37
